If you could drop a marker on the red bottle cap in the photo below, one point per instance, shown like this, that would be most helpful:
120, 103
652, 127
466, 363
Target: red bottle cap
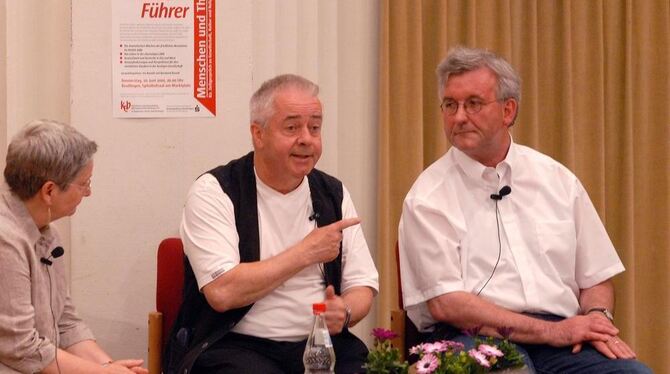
318, 308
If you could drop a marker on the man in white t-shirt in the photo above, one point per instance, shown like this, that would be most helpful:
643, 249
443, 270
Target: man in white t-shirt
260, 253
497, 235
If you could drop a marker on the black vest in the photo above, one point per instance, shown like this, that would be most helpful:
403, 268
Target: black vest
198, 326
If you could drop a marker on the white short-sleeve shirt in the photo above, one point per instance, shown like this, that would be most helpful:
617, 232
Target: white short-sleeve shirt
552, 242
211, 244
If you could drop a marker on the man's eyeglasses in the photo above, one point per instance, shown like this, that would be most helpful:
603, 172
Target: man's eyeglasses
471, 106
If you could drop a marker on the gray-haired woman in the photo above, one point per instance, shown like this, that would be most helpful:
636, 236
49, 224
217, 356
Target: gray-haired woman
48, 173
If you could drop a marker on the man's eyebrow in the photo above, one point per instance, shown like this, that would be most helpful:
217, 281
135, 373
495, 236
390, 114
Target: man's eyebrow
296, 116
449, 98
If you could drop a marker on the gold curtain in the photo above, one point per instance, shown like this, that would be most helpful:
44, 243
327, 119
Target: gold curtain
595, 96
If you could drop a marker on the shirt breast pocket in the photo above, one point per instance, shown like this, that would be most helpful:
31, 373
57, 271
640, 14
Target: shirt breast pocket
557, 241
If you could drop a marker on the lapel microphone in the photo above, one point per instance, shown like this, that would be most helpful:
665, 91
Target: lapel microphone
57, 252
316, 204
506, 190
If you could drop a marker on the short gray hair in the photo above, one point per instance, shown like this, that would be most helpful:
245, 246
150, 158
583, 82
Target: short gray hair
461, 60
261, 105
46, 150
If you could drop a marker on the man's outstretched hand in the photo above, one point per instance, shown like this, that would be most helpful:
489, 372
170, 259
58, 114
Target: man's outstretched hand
323, 243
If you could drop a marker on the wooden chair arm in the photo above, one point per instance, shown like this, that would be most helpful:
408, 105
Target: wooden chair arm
155, 342
398, 326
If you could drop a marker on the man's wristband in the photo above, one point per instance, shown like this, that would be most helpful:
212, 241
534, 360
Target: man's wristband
606, 312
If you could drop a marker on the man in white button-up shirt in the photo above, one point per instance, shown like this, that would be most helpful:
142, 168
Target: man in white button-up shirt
497, 235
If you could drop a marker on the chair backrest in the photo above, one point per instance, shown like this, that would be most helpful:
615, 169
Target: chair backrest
169, 281
411, 335
397, 261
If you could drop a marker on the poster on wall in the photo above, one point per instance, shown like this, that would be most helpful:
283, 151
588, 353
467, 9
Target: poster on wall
163, 54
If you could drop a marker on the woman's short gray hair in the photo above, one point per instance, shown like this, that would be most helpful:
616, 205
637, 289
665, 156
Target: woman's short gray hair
46, 150
261, 105
460, 60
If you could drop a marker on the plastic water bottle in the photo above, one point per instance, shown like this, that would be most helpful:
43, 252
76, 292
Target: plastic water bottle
319, 356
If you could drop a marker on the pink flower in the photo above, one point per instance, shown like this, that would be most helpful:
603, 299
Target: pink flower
479, 357
437, 347
444, 346
490, 351
427, 364
433, 347
383, 334
440, 346
454, 346
416, 349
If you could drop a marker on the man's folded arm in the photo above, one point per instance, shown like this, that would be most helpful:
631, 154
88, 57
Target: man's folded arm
464, 310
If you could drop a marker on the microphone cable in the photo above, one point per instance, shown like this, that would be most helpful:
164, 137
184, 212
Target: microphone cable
496, 197
55, 253
53, 318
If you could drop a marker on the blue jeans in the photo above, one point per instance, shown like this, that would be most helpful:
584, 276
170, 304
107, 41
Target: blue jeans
552, 360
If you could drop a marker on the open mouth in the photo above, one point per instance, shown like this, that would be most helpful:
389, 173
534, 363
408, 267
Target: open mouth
302, 157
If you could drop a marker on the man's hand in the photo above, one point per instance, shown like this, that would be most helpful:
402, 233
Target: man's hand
612, 348
335, 311
578, 329
323, 243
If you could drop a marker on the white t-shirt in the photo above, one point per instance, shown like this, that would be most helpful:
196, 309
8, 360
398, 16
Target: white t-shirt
552, 241
211, 244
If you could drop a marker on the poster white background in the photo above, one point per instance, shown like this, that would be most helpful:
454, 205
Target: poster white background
163, 58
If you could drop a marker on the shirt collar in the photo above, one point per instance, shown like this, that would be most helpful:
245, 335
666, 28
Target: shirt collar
25, 221
475, 170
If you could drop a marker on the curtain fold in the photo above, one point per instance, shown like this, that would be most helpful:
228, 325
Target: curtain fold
595, 96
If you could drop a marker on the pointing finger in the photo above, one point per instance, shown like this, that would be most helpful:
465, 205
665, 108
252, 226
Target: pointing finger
346, 222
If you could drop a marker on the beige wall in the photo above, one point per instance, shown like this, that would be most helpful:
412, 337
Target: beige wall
58, 65
144, 167
3, 83
35, 66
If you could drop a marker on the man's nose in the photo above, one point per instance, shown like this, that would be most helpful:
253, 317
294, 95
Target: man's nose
460, 115
305, 136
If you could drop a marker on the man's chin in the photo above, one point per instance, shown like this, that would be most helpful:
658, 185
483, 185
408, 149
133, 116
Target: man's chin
303, 163
464, 144
300, 172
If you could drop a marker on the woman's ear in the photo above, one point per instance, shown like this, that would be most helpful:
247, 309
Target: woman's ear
47, 191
